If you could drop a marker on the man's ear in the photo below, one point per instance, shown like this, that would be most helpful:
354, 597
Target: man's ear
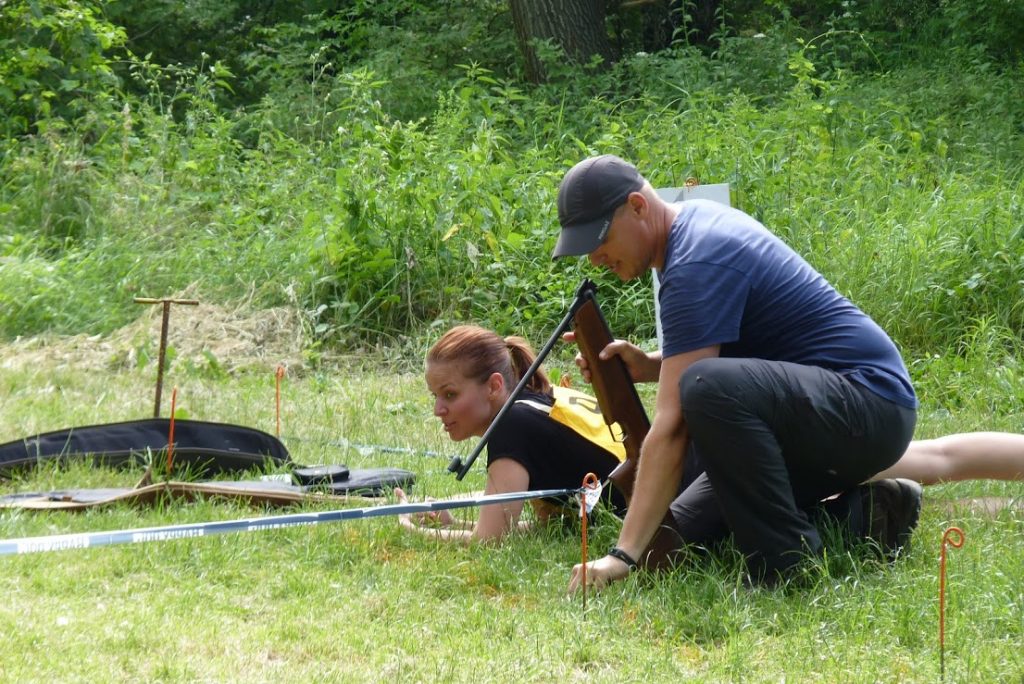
637, 202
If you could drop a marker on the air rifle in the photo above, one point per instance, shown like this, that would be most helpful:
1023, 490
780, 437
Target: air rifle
620, 403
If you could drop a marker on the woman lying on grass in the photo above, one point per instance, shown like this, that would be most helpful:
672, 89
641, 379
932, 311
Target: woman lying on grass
552, 436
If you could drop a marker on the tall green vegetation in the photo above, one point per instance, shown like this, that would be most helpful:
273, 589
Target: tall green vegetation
383, 167
55, 65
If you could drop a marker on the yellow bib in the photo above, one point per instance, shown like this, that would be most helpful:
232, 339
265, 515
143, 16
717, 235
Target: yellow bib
582, 414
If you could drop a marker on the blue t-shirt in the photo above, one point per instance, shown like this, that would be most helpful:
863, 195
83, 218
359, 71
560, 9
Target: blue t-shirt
728, 281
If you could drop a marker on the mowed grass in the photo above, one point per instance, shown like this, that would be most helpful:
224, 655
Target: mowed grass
367, 601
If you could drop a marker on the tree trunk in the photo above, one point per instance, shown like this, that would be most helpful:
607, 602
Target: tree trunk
576, 26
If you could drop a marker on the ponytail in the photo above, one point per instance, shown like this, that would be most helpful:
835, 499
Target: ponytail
523, 356
481, 352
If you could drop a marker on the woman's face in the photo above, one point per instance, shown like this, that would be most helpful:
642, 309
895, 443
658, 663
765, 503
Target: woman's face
465, 406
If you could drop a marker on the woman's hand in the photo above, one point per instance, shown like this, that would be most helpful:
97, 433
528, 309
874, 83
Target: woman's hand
426, 519
600, 573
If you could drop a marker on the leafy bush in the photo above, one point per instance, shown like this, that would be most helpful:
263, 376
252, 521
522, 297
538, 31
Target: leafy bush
55, 62
386, 214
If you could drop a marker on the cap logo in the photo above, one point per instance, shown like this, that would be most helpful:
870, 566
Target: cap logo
604, 231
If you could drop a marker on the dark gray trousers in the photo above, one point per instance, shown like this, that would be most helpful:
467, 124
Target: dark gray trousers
773, 440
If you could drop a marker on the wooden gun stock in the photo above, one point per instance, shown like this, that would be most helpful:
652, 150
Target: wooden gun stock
614, 390
617, 396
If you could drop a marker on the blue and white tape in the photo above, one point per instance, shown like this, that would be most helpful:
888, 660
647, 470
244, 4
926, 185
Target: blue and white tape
87, 540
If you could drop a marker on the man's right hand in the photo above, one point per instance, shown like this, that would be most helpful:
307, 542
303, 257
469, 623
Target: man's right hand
642, 367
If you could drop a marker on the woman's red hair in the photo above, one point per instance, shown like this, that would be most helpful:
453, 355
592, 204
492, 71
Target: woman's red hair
481, 352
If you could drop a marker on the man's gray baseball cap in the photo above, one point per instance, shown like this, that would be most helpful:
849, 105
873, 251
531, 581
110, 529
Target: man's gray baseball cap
588, 196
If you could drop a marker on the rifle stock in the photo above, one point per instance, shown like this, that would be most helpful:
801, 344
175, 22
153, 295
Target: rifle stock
617, 396
613, 389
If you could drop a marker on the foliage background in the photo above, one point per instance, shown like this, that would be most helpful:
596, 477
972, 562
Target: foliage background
384, 167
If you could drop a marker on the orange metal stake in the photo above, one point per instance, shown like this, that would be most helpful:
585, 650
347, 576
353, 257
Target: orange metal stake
170, 437
947, 538
590, 481
279, 374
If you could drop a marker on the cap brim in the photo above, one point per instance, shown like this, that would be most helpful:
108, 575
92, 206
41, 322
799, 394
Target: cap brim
580, 239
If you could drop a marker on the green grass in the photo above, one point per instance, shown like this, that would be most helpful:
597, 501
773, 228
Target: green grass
366, 601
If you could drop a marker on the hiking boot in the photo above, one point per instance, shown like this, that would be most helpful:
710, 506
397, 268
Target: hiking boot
891, 509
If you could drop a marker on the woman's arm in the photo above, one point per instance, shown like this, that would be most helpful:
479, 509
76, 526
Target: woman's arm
495, 520
503, 475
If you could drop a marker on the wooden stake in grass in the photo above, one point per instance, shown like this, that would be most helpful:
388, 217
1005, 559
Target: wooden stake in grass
163, 341
947, 538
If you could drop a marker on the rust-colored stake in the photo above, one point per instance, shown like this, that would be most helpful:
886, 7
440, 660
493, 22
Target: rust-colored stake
163, 341
589, 482
947, 538
170, 436
278, 375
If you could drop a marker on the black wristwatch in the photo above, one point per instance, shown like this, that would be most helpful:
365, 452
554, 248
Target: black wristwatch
616, 552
